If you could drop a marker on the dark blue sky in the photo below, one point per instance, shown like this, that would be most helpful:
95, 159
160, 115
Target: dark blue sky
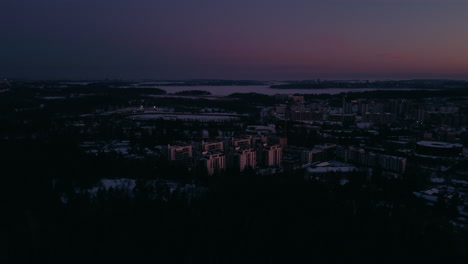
242, 39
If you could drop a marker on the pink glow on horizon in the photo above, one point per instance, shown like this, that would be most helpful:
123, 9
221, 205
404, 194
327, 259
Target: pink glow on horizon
235, 39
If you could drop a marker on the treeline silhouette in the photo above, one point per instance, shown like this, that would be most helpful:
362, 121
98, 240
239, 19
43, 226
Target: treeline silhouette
405, 84
237, 218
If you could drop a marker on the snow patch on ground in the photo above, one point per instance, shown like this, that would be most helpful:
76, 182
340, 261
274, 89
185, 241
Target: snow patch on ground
425, 196
460, 182
437, 180
125, 185
344, 181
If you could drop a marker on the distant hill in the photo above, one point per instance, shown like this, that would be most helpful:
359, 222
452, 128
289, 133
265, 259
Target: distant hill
404, 84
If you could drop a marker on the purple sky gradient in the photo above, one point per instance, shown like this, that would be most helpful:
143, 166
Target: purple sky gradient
242, 39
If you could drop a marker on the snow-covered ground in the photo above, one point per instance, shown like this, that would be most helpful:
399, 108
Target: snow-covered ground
436, 180
158, 188
426, 196
125, 185
460, 182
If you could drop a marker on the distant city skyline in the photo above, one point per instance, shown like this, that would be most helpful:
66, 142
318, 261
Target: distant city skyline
213, 39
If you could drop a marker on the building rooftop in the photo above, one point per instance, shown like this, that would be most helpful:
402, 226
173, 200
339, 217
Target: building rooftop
331, 166
437, 144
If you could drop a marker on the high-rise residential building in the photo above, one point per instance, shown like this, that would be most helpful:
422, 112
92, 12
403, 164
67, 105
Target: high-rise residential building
213, 146
213, 162
272, 155
245, 158
319, 153
243, 143
181, 154
392, 163
277, 140
371, 159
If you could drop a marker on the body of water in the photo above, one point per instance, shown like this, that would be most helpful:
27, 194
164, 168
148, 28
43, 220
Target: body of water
261, 89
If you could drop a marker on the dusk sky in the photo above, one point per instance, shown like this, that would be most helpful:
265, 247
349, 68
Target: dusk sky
241, 39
